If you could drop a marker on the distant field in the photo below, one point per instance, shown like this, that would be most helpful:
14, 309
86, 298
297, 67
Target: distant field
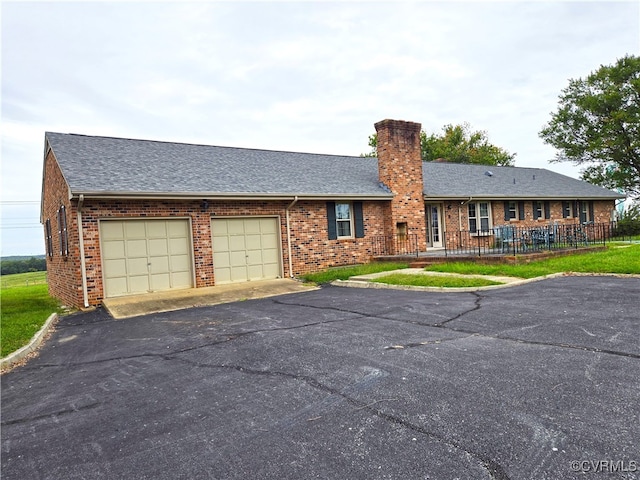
23, 279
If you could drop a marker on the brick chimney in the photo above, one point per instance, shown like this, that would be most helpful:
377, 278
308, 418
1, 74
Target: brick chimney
400, 170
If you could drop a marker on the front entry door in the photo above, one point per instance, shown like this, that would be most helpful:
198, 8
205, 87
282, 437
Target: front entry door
434, 225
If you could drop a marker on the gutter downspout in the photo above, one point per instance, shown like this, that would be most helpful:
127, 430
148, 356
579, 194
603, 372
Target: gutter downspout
83, 265
295, 200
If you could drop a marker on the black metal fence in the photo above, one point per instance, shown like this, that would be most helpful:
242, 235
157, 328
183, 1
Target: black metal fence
512, 240
400, 244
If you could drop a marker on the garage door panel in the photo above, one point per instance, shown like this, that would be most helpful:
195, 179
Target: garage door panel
235, 227
221, 244
181, 279
161, 281
239, 274
254, 257
138, 266
255, 272
118, 284
135, 229
178, 246
145, 255
269, 242
237, 243
113, 249
253, 242
271, 256
117, 267
238, 259
136, 248
271, 270
158, 246
180, 263
138, 283
156, 229
159, 265
246, 249
223, 275
112, 230
269, 225
178, 229
221, 260
252, 226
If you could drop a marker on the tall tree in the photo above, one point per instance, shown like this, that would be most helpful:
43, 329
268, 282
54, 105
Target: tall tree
458, 144
597, 125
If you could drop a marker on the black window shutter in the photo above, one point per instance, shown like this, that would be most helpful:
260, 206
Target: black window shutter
331, 220
565, 209
521, 210
535, 210
358, 219
547, 209
506, 211
591, 216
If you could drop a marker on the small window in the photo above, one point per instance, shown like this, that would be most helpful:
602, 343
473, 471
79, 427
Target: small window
567, 209
49, 237
512, 211
541, 210
479, 217
343, 220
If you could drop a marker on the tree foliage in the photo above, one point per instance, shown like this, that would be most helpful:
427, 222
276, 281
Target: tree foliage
457, 144
8, 267
597, 125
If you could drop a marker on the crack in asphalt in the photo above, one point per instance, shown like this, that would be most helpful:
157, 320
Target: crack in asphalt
59, 413
477, 306
495, 470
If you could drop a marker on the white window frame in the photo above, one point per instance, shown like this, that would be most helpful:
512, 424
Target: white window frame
513, 210
479, 218
341, 222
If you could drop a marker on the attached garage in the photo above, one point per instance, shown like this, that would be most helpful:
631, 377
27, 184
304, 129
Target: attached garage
141, 256
246, 249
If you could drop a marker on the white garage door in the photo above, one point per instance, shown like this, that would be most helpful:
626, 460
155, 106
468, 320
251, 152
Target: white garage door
245, 249
145, 255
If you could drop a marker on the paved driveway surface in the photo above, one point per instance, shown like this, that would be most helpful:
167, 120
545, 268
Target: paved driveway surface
340, 383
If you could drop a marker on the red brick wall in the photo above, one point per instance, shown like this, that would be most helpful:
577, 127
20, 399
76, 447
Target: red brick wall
400, 169
311, 248
63, 271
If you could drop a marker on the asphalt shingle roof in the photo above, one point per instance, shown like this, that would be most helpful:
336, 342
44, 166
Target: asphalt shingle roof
107, 165
443, 180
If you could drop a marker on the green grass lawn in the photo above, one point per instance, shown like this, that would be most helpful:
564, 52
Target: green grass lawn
24, 307
343, 273
615, 259
434, 281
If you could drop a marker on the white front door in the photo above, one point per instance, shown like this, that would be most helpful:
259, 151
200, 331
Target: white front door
434, 224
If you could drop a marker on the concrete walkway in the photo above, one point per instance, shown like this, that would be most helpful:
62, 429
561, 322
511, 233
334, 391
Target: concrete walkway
134, 305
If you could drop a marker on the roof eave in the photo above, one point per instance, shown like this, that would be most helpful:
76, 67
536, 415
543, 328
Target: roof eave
521, 197
114, 195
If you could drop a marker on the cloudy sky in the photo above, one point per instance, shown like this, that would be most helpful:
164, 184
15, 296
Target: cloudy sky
302, 76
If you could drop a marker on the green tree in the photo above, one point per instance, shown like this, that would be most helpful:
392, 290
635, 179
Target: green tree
458, 144
597, 125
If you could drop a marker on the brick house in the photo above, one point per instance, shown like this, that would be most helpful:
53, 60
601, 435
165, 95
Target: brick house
126, 216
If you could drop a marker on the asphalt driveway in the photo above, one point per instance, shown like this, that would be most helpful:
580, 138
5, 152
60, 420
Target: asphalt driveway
539, 381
